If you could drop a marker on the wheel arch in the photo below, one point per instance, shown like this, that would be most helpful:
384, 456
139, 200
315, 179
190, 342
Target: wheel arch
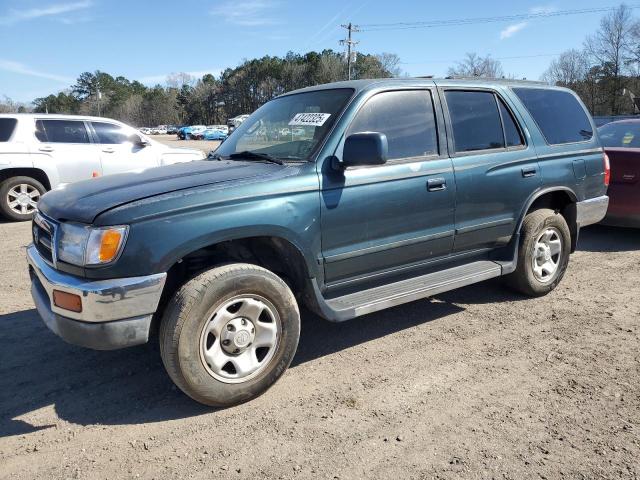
32, 172
560, 199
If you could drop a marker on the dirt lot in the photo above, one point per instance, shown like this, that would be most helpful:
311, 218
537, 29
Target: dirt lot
172, 140
476, 383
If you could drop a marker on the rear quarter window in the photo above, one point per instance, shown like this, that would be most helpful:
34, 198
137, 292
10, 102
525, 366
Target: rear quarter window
7, 126
558, 114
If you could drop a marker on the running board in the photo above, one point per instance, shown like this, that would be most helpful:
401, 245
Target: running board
385, 296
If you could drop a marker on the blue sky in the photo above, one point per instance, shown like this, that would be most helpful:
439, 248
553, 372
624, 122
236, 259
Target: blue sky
47, 43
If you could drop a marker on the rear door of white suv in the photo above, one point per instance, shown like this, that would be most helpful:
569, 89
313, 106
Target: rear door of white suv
66, 144
122, 149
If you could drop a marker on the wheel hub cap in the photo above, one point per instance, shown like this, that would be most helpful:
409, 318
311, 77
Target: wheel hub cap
240, 338
237, 335
547, 254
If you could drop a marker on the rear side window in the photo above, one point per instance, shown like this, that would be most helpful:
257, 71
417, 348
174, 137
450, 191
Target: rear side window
109, 134
512, 134
407, 119
475, 120
7, 126
61, 131
558, 114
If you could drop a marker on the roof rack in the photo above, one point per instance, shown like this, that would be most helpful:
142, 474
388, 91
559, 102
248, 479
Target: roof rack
493, 79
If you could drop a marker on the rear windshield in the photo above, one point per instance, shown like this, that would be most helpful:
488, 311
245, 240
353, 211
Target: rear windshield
623, 135
559, 115
7, 126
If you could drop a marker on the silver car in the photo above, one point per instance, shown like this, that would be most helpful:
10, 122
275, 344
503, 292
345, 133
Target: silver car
39, 152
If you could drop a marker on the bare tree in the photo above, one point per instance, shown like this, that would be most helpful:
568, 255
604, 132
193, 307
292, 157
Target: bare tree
610, 47
475, 65
179, 79
390, 62
568, 69
10, 106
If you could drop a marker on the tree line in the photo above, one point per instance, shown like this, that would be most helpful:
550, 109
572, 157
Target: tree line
211, 99
604, 71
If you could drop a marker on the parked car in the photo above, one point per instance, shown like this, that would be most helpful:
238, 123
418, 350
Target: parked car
40, 152
172, 129
145, 130
195, 132
406, 189
161, 130
184, 132
213, 134
621, 141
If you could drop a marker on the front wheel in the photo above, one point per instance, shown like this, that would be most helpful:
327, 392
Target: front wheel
229, 334
543, 255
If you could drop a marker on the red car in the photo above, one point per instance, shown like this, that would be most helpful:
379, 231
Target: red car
621, 141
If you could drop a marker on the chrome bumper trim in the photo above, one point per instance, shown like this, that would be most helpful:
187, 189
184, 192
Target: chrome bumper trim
102, 300
592, 210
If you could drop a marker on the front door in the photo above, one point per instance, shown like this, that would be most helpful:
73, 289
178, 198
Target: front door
378, 220
118, 152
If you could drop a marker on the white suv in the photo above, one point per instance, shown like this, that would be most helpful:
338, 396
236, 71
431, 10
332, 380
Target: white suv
39, 152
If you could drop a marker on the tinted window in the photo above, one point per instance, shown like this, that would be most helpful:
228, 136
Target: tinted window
475, 120
109, 133
7, 125
511, 132
623, 134
61, 131
558, 114
405, 117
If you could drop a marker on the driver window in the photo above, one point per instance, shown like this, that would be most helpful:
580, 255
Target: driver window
406, 117
110, 134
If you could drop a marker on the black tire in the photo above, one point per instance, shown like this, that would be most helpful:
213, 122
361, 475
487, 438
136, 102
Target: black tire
524, 279
190, 310
6, 186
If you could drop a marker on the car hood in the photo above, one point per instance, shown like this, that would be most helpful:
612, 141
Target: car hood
84, 201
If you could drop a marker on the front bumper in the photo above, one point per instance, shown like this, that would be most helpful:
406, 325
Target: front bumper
116, 313
591, 211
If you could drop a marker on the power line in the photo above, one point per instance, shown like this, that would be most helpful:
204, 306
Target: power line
350, 45
495, 58
374, 27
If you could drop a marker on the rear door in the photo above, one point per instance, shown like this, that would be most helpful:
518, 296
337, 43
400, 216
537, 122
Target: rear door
377, 220
67, 145
496, 168
118, 153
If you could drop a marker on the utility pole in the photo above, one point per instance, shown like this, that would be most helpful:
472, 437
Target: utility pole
350, 45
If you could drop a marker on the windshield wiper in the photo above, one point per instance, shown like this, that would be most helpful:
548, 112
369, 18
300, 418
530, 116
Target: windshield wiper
249, 155
215, 156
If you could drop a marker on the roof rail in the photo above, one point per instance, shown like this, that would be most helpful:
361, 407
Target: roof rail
493, 79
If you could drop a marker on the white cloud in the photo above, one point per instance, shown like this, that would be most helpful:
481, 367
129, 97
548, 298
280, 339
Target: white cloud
162, 78
15, 16
247, 13
22, 69
542, 9
512, 30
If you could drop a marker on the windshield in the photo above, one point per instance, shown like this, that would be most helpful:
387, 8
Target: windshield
623, 134
289, 127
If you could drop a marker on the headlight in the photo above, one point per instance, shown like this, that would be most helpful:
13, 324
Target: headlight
85, 246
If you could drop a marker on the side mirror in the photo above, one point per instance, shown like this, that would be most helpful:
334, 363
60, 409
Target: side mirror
138, 141
365, 148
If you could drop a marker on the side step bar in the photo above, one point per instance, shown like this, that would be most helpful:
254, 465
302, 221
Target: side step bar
385, 296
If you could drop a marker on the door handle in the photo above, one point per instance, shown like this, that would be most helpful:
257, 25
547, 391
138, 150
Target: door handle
436, 184
108, 150
46, 148
529, 172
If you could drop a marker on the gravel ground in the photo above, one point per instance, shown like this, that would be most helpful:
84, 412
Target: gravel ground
475, 383
172, 141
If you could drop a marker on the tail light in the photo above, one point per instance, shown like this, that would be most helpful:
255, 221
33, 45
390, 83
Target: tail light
607, 168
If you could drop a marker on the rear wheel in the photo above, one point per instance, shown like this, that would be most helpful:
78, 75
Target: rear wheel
543, 255
229, 334
19, 197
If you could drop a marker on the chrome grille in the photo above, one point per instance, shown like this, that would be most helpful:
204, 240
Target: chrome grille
44, 233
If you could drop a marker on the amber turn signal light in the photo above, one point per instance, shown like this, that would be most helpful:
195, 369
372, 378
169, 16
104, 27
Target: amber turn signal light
67, 301
109, 245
